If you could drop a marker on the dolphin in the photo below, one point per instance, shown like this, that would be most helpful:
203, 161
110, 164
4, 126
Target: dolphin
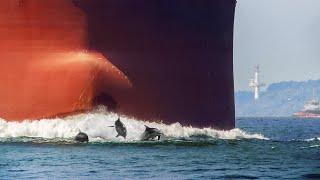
150, 134
82, 137
120, 128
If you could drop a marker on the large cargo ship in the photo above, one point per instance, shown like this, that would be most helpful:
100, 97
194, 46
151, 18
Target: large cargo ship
168, 60
311, 109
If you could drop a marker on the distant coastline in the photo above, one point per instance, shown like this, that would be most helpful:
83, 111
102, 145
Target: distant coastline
280, 99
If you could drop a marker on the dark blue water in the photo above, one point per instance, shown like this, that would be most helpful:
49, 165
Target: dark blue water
292, 152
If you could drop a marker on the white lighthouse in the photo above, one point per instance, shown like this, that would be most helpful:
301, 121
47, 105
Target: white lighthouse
255, 83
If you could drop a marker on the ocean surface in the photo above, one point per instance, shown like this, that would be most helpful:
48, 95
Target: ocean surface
259, 148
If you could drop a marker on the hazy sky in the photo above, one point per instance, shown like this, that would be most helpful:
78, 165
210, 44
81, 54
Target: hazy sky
283, 36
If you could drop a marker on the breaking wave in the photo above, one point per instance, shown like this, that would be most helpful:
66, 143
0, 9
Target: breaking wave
95, 124
313, 139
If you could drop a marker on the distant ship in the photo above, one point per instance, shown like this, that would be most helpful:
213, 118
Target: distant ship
311, 109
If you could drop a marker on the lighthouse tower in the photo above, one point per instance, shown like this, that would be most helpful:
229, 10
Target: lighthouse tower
255, 83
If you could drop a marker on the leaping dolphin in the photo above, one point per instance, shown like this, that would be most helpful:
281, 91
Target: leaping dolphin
150, 134
120, 128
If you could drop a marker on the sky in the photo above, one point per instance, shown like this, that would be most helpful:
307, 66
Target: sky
282, 36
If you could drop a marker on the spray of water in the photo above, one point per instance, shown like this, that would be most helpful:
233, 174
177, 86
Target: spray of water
96, 125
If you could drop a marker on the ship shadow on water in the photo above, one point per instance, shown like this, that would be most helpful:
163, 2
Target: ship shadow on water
192, 141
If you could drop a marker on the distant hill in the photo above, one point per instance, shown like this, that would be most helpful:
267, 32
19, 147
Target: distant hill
279, 99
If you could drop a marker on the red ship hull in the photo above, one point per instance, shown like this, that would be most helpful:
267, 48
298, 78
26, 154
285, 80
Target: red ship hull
303, 114
65, 56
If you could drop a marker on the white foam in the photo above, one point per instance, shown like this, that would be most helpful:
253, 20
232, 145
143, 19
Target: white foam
312, 146
96, 124
313, 139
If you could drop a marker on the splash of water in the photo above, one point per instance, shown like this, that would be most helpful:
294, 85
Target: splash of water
313, 139
95, 124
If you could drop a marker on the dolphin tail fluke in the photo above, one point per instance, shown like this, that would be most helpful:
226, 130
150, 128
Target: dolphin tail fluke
118, 135
110, 126
158, 137
147, 127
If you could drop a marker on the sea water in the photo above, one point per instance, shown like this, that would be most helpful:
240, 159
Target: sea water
259, 148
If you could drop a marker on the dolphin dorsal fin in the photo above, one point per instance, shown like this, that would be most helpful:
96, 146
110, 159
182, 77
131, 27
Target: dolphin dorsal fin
147, 127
